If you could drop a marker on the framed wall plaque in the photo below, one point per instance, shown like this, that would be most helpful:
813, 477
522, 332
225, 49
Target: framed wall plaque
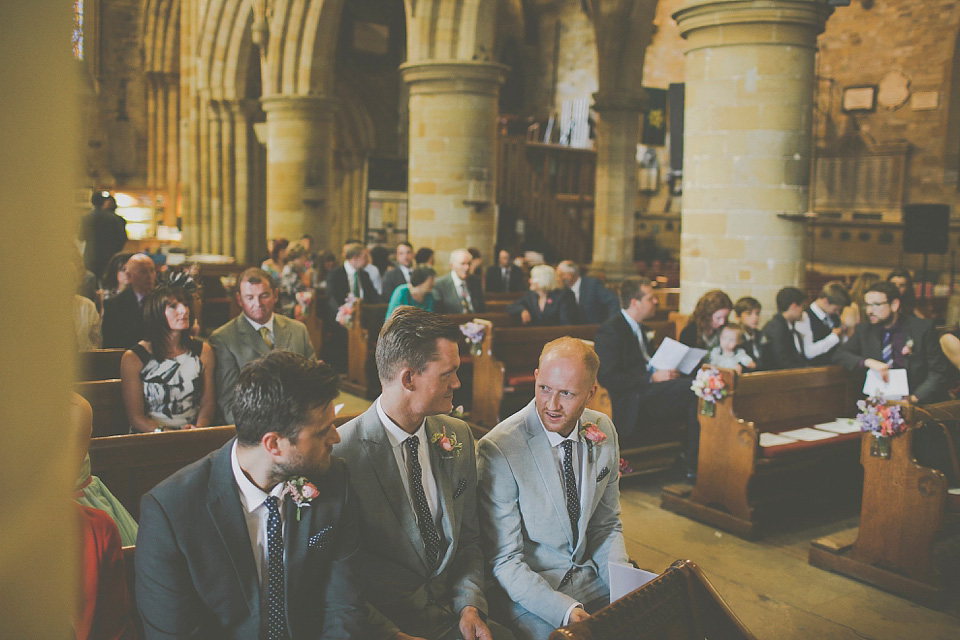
859, 99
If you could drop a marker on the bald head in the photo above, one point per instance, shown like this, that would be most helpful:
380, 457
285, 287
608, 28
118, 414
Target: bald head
568, 273
460, 262
575, 350
141, 273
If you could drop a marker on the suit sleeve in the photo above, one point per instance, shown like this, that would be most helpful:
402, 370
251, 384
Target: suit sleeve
605, 531
343, 607
517, 307
169, 605
503, 535
467, 569
568, 311
226, 370
609, 301
306, 347
934, 386
851, 353
616, 374
782, 353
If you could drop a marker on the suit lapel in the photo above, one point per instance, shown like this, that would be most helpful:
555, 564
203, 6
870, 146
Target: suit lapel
380, 455
629, 338
546, 463
443, 475
253, 338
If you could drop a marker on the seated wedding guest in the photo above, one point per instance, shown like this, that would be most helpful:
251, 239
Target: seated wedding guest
123, 314
751, 340
294, 278
908, 294
595, 301
855, 313
424, 256
544, 304
728, 353
378, 261
458, 291
549, 494
89, 490
167, 378
326, 262
259, 538
784, 344
709, 314
86, 324
476, 263
648, 406
350, 277
505, 276
278, 257
820, 326
419, 293
113, 280
891, 340
253, 333
400, 272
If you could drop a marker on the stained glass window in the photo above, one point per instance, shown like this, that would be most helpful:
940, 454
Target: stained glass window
78, 29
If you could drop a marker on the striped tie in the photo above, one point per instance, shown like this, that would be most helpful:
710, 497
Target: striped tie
887, 353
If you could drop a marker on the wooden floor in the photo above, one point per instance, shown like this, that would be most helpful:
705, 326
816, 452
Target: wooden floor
769, 583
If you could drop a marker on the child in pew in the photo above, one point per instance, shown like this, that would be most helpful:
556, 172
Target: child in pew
751, 339
727, 354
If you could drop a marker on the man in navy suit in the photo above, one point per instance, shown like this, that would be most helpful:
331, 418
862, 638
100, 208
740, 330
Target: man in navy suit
123, 314
224, 550
596, 302
400, 272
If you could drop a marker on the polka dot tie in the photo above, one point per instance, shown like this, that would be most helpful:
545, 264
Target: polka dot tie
431, 539
276, 620
573, 498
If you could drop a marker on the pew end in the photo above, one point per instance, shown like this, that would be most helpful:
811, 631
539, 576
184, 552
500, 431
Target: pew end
679, 604
100, 364
109, 414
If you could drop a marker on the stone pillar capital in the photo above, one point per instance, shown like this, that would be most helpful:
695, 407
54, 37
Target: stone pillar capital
466, 76
707, 23
291, 107
624, 100
245, 107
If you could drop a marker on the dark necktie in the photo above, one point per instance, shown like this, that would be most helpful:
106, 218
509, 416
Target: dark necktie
428, 531
797, 340
463, 298
276, 619
573, 497
506, 279
887, 353
643, 343
356, 285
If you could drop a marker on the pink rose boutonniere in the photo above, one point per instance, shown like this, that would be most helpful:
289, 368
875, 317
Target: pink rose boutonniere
446, 444
301, 491
908, 347
593, 436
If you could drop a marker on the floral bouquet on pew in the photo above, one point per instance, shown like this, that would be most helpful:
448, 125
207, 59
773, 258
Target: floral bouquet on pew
346, 311
474, 333
882, 420
709, 387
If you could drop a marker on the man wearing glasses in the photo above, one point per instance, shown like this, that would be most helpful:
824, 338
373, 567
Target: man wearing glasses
891, 340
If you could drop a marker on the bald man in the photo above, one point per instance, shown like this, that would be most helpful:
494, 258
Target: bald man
549, 494
123, 314
458, 292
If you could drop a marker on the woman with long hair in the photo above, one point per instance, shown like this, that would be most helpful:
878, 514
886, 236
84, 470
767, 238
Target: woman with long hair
166, 379
709, 315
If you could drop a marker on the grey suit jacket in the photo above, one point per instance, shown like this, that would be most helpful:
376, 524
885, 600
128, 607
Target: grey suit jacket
447, 300
392, 559
523, 513
196, 572
237, 343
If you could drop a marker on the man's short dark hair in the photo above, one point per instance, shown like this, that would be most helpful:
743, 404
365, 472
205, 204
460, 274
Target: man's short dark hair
255, 275
405, 244
789, 296
409, 339
97, 198
420, 274
835, 293
423, 255
891, 290
630, 290
277, 391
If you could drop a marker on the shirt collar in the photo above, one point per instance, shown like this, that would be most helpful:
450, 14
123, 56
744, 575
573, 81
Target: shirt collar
575, 287
268, 324
817, 311
251, 496
630, 321
395, 434
349, 269
556, 439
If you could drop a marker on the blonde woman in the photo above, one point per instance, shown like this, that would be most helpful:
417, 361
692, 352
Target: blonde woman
545, 304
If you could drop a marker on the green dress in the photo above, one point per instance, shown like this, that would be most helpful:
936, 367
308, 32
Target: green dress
401, 296
90, 492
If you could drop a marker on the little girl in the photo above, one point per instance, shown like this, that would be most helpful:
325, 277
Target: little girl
727, 354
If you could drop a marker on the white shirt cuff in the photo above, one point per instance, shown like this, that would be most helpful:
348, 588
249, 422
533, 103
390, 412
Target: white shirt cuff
566, 616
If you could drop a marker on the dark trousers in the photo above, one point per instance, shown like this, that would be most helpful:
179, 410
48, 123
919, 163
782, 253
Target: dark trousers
665, 407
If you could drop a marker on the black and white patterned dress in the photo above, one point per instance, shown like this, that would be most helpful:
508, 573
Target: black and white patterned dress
172, 388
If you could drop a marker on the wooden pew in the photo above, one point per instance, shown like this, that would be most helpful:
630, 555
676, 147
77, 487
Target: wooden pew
100, 364
109, 414
909, 536
741, 483
679, 604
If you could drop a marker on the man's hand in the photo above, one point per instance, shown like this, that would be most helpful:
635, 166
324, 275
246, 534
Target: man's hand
662, 375
882, 367
525, 317
837, 331
472, 627
400, 635
578, 615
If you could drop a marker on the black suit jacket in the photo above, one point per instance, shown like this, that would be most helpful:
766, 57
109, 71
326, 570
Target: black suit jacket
196, 572
927, 367
597, 303
391, 280
781, 350
820, 331
122, 321
754, 346
623, 370
338, 287
561, 308
494, 279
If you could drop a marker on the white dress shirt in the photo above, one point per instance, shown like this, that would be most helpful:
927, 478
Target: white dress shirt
406, 271
813, 349
460, 285
575, 287
397, 437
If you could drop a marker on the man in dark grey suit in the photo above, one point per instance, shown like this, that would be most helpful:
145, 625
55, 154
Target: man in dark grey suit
226, 550
415, 479
505, 276
123, 313
400, 272
458, 292
252, 334
595, 301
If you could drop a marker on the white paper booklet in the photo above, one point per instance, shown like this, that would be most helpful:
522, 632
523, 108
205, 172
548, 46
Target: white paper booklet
840, 425
676, 355
774, 439
624, 579
895, 388
808, 435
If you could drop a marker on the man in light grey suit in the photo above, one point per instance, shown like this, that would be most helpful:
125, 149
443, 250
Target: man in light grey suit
252, 334
550, 499
414, 474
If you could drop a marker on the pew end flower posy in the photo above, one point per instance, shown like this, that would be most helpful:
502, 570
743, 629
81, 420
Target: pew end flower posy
474, 333
884, 421
709, 387
346, 311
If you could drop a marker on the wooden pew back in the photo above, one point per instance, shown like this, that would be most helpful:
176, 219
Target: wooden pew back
779, 400
100, 364
109, 414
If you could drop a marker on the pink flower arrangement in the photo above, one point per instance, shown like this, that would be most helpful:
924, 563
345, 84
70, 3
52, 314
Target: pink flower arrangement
473, 332
625, 466
877, 416
446, 444
709, 385
346, 311
592, 434
301, 491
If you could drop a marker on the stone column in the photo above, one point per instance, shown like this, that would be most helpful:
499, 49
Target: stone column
171, 171
616, 183
242, 110
228, 179
453, 145
749, 96
215, 177
299, 165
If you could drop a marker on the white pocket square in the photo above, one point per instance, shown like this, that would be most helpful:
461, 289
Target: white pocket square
320, 538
